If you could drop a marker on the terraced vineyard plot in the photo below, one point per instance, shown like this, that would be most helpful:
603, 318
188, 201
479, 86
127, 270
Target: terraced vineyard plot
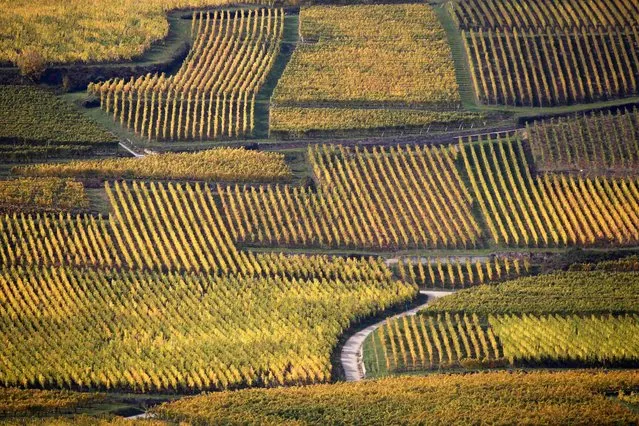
594, 340
567, 293
565, 319
422, 342
548, 210
598, 143
34, 124
506, 397
48, 194
551, 53
170, 332
397, 198
425, 342
221, 164
454, 272
344, 77
57, 240
110, 31
180, 227
213, 94
494, 14
383, 58
172, 227
300, 121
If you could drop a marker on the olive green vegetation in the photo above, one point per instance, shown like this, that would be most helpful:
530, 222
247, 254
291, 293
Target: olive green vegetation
566, 292
36, 124
501, 398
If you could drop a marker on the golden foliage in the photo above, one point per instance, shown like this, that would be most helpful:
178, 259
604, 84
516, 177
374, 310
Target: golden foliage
99, 329
585, 55
86, 31
218, 164
404, 197
549, 210
213, 93
49, 194
599, 143
301, 121
394, 53
505, 398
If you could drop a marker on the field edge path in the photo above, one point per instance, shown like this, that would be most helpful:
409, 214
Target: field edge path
351, 356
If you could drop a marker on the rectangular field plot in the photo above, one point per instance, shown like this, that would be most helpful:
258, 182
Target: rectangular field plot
408, 197
456, 272
598, 143
556, 340
317, 122
550, 52
395, 54
551, 209
35, 124
425, 342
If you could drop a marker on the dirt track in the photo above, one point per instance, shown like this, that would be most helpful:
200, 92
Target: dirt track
351, 356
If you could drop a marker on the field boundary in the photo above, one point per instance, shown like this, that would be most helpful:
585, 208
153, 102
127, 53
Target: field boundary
463, 76
263, 105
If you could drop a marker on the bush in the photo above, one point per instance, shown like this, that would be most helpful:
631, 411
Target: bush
31, 63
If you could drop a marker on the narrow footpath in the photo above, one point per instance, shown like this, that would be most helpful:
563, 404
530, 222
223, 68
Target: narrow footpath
351, 356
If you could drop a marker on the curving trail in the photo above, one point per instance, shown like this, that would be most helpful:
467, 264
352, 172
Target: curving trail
351, 355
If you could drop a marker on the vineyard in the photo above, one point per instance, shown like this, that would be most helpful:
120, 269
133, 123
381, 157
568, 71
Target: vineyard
119, 30
213, 93
372, 75
40, 240
36, 124
229, 213
454, 273
144, 330
172, 227
424, 342
596, 340
49, 194
445, 341
600, 143
551, 209
219, 164
16, 401
301, 122
408, 197
494, 398
385, 63
583, 293
524, 322
176, 226
550, 53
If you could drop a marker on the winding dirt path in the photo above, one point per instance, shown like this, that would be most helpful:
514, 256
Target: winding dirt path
351, 356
